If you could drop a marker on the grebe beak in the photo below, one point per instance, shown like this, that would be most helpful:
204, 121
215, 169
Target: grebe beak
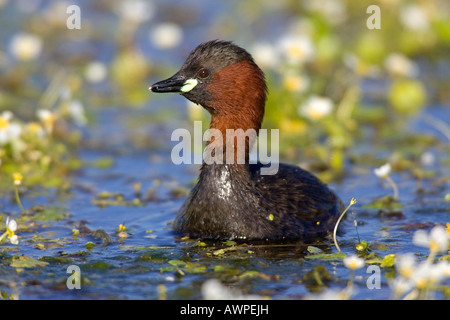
176, 83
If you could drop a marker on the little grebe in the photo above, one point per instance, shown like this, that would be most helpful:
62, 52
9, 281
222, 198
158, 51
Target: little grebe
234, 200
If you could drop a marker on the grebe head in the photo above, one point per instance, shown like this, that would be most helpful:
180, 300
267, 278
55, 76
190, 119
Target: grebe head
224, 79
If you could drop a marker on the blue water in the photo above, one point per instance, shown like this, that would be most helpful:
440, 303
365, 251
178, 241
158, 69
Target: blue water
137, 267
133, 266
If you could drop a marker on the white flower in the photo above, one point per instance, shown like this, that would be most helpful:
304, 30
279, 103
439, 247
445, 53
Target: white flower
316, 108
353, 262
3, 137
265, 55
398, 64
5, 116
418, 275
170, 278
414, 18
44, 114
427, 158
405, 265
213, 289
25, 46
11, 225
95, 72
9, 131
436, 241
166, 35
14, 239
401, 285
76, 111
14, 130
47, 118
137, 11
383, 171
297, 49
333, 10
35, 129
296, 82
426, 274
443, 267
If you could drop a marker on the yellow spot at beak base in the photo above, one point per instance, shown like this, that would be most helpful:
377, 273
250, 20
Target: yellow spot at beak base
189, 84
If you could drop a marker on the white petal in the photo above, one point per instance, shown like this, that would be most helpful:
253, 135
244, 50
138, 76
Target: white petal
11, 224
14, 239
439, 235
383, 171
420, 238
353, 262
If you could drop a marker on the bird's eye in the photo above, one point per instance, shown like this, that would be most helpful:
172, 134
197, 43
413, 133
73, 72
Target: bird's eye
203, 73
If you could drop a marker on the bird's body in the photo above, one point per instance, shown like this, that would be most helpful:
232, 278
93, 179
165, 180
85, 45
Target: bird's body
234, 199
238, 202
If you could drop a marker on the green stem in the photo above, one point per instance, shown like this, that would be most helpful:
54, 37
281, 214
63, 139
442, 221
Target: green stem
439, 125
18, 200
350, 280
3, 236
431, 257
337, 224
394, 187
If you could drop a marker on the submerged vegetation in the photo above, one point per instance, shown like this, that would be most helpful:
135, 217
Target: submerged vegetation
85, 171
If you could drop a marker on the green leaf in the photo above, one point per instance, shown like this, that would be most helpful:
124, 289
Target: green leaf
220, 268
50, 213
97, 265
56, 260
446, 257
218, 252
313, 250
388, 260
362, 246
100, 234
90, 245
229, 243
196, 268
385, 202
177, 262
27, 262
250, 274
168, 268
102, 163
318, 277
326, 256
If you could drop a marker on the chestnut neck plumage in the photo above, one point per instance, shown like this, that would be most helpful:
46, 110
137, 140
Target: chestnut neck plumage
237, 110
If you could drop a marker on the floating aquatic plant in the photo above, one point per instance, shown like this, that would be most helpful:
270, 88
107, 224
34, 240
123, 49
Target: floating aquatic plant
383, 173
11, 227
352, 202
